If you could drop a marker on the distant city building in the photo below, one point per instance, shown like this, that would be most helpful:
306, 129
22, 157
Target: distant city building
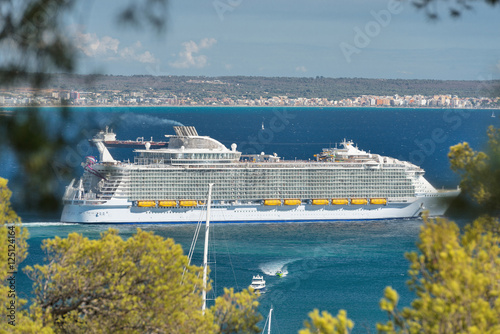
64, 95
74, 95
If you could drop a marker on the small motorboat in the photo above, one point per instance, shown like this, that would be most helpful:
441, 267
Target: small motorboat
279, 273
258, 284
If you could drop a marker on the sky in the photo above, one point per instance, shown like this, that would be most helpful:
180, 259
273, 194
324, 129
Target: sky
293, 38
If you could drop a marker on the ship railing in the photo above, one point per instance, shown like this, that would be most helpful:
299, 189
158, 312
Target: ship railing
276, 165
287, 165
400, 199
85, 202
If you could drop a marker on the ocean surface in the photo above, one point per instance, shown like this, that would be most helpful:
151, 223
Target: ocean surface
329, 266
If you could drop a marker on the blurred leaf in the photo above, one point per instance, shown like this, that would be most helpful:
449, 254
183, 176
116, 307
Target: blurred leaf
145, 13
455, 7
480, 171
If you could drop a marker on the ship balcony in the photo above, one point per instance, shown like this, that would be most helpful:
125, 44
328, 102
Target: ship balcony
84, 202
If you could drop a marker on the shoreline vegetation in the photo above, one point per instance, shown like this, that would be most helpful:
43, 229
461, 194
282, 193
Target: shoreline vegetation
165, 91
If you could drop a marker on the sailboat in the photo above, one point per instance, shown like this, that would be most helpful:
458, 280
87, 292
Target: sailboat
493, 114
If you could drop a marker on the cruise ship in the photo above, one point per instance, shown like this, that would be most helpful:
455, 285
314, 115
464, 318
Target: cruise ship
170, 185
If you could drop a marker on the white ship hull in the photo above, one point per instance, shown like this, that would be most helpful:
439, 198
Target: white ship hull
122, 212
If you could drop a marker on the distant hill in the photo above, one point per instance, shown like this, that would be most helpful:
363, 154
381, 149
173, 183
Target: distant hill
255, 87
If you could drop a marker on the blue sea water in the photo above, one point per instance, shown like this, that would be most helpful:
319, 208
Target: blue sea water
329, 266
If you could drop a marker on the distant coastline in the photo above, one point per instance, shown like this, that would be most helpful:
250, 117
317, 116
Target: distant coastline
167, 91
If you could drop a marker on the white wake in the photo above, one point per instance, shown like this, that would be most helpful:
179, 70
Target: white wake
271, 268
36, 224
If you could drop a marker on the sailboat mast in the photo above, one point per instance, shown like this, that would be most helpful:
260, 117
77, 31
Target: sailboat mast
205, 252
270, 313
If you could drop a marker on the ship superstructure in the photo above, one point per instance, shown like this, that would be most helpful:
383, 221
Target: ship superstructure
169, 185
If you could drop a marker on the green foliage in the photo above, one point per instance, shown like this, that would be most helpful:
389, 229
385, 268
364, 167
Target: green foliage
111, 285
13, 251
237, 312
325, 323
456, 279
115, 286
480, 171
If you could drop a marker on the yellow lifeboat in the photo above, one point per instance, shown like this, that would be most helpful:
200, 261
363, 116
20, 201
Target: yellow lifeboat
188, 203
320, 201
291, 201
359, 201
146, 204
340, 201
167, 203
380, 201
272, 202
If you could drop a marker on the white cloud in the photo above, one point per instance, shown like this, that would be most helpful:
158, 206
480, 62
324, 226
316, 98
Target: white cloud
131, 53
188, 57
92, 46
107, 47
301, 69
147, 57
